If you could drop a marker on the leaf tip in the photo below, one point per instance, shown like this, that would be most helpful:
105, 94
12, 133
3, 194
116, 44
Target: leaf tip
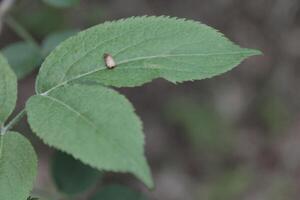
254, 52
150, 183
143, 173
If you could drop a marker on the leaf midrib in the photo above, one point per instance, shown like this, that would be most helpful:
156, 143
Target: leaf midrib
102, 67
1, 146
91, 50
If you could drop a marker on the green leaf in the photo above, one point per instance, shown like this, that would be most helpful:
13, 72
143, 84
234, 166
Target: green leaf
8, 90
117, 192
94, 124
23, 58
54, 39
71, 176
18, 166
144, 48
62, 3
42, 20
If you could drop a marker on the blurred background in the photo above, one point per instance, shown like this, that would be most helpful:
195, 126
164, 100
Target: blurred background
233, 137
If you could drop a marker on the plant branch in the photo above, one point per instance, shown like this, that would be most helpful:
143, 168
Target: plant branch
4, 8
1, 133
45, 194
13, 122
21, 31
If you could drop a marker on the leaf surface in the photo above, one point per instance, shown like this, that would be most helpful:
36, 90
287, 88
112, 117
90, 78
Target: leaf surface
18, 166
55, 39
95, 124
144, 48
8, 90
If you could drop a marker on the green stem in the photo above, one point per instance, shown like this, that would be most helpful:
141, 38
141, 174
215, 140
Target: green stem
45, 194
21, 31
1, 131
13, 122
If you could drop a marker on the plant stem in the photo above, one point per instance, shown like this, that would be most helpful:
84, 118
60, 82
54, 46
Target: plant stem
5, 6
45, 194
21, 31
13, 122
1, 131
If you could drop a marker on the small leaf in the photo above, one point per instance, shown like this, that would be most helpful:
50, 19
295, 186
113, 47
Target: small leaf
18, 166
8, 90
94, 124
144, 48
62, 3
71, 176
23, 58
117, 192
54, 39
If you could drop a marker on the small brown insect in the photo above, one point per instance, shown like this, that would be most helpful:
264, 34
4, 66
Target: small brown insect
109, 61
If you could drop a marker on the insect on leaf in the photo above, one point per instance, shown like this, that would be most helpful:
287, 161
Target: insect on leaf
109, 61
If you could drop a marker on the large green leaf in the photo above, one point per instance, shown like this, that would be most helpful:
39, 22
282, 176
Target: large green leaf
94, 124
70, 175
18, 167
23, 58
8, 90
62, 3
117, 192
144, 48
